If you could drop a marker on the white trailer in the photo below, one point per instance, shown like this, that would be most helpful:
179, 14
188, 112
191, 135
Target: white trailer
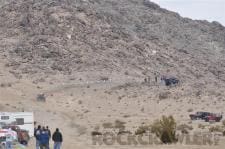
25, 120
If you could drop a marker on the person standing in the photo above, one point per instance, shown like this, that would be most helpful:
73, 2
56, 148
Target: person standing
9, 139
37, 134
49, 131
57, 138
49, 134
44, 139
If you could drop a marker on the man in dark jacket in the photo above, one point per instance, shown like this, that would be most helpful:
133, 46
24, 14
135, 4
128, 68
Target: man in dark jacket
57, 138
49, 134
37, 133
49, 131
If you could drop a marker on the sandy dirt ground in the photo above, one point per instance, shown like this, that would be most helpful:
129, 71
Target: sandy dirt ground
77, 108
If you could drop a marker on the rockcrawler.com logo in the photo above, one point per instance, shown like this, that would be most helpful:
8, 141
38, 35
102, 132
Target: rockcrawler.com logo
126, 138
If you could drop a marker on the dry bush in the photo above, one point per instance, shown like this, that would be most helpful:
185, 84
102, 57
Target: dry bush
96, 133
104, 78
190, 110
198, 93
201, 126
126, 116
108, 125
165, 129
142, 130
164, 95
5, 85
80, 102
223, 123
124, 132
81, 130
216, 129
184, 128
126, 73
120, 125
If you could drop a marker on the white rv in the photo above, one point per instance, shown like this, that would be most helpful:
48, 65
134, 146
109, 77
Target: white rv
25, 120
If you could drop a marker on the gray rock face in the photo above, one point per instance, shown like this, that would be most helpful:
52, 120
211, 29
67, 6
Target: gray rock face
67, 36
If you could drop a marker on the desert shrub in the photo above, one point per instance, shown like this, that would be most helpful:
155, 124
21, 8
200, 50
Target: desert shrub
164, 95
96, 133
126, 73
190, 110
117, 124
80, 102
120, 125
184, 128
198, 94
201, 126
104, 78
107, 125
126, 116
5, 85
216, 129
223, 123
124, 132
142, 129
165, 129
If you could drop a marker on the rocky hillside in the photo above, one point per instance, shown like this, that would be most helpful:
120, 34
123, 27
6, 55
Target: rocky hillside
132, 38
51, 52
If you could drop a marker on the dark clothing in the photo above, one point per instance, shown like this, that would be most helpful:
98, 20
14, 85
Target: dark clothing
57, 137
35, 131
49, 133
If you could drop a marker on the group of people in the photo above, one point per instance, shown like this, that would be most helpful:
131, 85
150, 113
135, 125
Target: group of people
43, 136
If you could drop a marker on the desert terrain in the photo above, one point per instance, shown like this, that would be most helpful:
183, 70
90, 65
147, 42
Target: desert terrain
89, 60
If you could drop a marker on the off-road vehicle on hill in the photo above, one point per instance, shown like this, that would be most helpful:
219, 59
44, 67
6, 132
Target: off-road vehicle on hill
207, 116
213, 117
170, 81
199, 115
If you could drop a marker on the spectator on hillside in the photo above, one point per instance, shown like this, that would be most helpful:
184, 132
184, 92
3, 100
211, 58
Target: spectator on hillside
57, 138
37, 134
49, 134
44, 139
49, 131
43, 128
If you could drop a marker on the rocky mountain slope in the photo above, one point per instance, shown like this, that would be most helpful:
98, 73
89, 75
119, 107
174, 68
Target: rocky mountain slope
124, 37
89, 58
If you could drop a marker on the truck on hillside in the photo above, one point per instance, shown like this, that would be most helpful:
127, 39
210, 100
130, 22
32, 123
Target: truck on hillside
206, 116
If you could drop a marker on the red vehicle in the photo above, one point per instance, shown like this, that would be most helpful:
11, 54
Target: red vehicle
213, 117
207, 116
199, 115
23, 135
